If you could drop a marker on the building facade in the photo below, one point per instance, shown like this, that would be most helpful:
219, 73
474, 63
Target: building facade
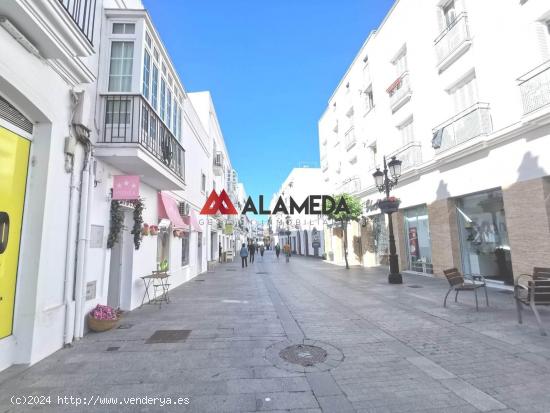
302, 231
463, 100
95, 104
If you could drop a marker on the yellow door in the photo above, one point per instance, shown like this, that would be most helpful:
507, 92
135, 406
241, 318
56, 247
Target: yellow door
14, 159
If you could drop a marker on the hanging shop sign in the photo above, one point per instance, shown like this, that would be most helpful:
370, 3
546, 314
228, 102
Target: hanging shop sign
125, 187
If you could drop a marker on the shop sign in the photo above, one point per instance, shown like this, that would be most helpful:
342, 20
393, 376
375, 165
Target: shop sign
125, 187
228, 230
371, 206
316, 238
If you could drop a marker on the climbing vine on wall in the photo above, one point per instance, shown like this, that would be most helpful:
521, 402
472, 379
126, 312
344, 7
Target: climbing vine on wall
117, 221
138, 222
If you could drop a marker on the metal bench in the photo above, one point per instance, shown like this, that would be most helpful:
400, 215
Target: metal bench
533, 290
458, 283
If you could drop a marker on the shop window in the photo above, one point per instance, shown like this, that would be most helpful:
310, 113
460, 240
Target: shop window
485, 248
185, 249
163, 246
121, 63
418, 240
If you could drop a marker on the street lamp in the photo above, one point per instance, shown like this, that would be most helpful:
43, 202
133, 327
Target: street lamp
385, 183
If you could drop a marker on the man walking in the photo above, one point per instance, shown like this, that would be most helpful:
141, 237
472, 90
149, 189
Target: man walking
277, 250
220, 253
251, 251
244, 255
286, 251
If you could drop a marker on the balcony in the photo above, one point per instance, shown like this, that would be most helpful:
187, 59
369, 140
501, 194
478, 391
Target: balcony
468, 124
136, 141
218, 163
400, 92
535, 88
410, 155
453, 42
350, 139
82, 12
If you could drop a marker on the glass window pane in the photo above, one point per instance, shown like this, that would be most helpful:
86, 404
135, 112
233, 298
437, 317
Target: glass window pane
118, 28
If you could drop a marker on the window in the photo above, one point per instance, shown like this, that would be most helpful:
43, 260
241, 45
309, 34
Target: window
124, 28
169, 109
369, 99
449, 12
175, 117
163, 246
162, 98
148, 40
146, 73
156, 54
213, 185
465, 94
179, 124
401, 64
120, 71
154, 87
118, 111
407, 132
203, 182
185, 249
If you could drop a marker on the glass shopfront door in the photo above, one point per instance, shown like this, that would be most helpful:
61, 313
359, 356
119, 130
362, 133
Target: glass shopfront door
484, 236
381, 239
418, 243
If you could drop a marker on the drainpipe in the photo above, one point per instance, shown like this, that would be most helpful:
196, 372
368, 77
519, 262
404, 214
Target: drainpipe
71, 242
82, 243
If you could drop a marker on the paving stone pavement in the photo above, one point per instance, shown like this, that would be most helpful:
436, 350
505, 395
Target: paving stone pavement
402, 351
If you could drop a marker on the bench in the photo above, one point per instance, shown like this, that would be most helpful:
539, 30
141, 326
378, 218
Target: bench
458, 283
533, 290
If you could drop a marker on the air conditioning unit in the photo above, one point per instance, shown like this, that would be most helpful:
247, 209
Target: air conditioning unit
184, 209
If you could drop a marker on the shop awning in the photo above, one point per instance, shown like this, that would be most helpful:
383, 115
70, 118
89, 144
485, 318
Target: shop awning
193, 221
168, 208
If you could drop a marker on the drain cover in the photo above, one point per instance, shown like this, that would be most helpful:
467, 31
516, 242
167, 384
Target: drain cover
303, 354
230, 269
198, 280
262, 272
112, 348
125, 326
168, 336
415, 286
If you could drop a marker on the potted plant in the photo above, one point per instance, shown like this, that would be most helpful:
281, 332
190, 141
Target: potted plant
389, 205
103, 318
145, 230
153, 230
177, 233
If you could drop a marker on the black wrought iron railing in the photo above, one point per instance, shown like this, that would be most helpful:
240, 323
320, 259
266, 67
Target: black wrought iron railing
83, 14
131, 119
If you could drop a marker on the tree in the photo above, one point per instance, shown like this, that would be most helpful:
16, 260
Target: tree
354, 213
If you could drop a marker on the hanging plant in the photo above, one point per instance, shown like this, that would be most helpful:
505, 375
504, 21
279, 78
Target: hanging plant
117, 220
145, 230
138, 222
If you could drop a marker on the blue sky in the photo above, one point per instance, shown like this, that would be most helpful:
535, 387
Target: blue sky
271, 66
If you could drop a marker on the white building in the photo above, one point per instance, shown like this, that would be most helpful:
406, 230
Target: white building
459, 91
129, 116
303, 231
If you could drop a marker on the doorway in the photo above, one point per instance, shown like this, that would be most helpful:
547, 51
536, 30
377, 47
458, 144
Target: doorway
199, 252
14, 159
120, 267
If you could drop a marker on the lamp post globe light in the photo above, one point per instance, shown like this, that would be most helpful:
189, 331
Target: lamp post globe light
385, 182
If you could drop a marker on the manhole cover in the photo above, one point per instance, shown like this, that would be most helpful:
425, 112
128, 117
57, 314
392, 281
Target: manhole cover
303, 354
230, 269
198, 280
415, 286
125, 326
168, 336
112, 348
262, 272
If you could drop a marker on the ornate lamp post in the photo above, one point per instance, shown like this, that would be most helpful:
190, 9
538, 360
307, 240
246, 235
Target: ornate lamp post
385, 183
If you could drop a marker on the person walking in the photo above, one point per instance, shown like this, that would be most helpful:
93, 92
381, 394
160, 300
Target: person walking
244, 255
277, 250
251, 251
220, 252
286, 250
262, 249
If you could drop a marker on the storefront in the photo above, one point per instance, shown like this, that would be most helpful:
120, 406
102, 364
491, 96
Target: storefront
484, 244
418, 243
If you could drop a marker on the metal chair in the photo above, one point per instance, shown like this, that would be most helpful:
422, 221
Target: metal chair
533, 290
458, 283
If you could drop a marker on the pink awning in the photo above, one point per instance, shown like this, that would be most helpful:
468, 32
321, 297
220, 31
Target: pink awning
193, 222
168, 208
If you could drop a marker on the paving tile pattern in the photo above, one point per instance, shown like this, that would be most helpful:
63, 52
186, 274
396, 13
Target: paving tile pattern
390, 348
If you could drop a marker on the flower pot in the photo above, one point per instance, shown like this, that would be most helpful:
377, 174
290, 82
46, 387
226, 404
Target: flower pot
101, 325
388, 206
